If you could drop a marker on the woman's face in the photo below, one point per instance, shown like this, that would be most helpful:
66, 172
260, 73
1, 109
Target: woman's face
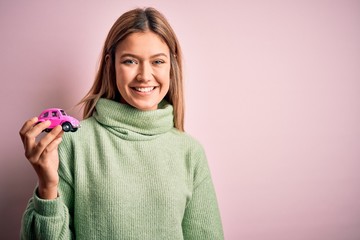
142, 66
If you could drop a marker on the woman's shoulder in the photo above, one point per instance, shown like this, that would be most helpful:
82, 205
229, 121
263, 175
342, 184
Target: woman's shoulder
189, 141
195, 153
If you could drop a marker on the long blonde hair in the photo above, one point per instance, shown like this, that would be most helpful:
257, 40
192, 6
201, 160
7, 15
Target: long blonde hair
137, 20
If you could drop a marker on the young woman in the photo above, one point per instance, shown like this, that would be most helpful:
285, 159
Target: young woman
130, 172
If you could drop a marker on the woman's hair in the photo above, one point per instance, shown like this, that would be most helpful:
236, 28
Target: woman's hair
137, 20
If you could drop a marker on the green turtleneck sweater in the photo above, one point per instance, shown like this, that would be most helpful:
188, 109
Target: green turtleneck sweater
128, 174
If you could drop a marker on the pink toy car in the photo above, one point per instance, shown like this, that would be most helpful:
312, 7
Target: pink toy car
57, 117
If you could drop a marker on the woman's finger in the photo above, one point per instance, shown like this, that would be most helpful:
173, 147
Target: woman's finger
30, 137
54, 144
27, 126
56, 133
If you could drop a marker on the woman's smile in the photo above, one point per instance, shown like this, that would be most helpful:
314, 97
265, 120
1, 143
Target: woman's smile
144, 89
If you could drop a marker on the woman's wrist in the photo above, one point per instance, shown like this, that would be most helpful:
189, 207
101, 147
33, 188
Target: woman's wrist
48, 193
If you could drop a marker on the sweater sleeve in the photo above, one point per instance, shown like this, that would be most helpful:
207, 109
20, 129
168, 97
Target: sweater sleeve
202, 218
47, 219
51, 219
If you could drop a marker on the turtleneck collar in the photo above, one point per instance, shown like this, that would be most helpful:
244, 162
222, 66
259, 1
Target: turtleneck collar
131, 123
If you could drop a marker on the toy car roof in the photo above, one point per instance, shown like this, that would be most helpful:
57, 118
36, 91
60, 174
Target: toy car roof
51, 109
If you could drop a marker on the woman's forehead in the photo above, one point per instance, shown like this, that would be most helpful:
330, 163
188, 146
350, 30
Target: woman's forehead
139, 43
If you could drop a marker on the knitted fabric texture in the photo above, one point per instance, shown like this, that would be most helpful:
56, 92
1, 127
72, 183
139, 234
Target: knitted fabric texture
128, 174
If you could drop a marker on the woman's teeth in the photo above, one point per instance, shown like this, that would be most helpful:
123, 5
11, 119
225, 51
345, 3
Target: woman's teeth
146, 89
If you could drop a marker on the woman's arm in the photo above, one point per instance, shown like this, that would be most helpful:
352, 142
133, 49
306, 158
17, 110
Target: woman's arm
202, 217
47, 215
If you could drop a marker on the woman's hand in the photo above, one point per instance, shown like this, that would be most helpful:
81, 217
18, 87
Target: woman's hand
43, 155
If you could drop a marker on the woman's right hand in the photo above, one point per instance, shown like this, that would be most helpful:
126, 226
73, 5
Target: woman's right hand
43, 155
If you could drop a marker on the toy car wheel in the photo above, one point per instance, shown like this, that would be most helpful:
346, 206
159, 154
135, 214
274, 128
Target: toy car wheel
74, 129
66, 127
47, 130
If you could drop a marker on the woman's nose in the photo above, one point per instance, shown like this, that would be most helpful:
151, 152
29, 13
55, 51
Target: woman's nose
145, 72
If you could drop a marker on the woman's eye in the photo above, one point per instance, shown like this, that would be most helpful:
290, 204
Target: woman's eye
129, 61
157, 62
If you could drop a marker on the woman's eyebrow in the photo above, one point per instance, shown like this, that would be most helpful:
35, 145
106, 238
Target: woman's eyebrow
159, 55
138, 57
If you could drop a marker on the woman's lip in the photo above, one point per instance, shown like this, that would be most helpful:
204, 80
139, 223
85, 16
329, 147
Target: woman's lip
143, 90
143, 86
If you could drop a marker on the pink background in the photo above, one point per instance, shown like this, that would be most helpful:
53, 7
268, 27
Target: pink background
272, 89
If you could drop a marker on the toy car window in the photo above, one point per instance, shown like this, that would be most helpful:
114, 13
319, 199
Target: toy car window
54, 114
46, 114
63, 112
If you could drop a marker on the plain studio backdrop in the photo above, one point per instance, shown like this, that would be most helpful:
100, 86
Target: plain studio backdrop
272, 92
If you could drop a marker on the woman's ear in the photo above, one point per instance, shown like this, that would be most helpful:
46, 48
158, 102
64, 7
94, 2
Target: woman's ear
107, 59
